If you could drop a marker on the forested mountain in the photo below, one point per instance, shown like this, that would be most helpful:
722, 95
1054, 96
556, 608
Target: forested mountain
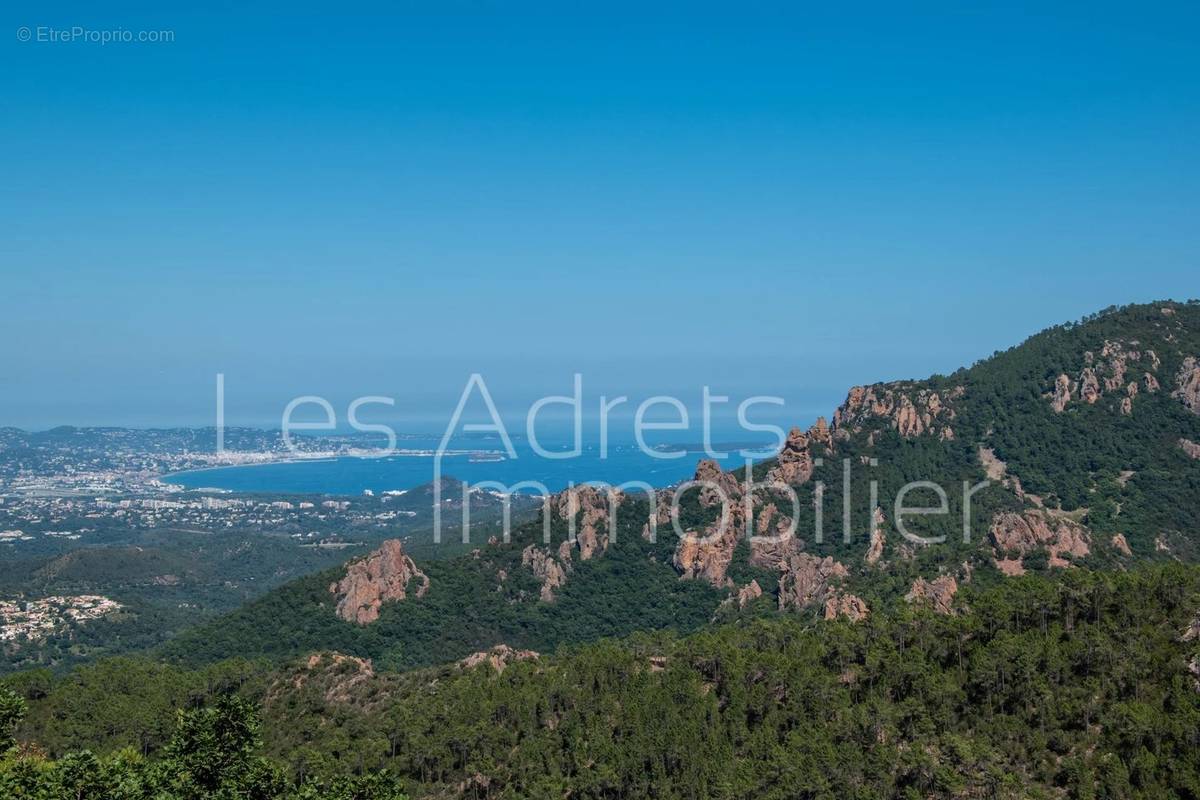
1035, 633
1083, 435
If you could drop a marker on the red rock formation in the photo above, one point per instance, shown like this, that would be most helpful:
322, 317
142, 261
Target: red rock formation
806, 580
820, 434
1106, 376
911, 411
1035, 529
794, 464
1187, 385
1121, 545
722, 487
707, 555
370, 582
774, 541
875, 548
1062, 393
590, 508
546, 569
499, 657
663, 514
747, 594
1089, 386
853, 607
938, 593
908, 421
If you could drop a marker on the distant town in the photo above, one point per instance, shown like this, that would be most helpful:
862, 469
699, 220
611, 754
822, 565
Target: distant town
71, 490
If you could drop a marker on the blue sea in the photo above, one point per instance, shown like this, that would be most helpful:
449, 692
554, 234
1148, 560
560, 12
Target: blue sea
469, 460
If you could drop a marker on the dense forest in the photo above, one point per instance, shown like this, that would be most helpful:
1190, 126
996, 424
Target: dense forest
1085, 684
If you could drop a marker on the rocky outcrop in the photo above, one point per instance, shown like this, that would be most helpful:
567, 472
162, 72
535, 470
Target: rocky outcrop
336, 676
910, 410
498, 658
380, 577
1061, 394
1017, 535
707, 554
875, 547
938, 593
720, 488
1121, 545
663, 514
1192, 631
1089, 386
806, 580
821, 435
774, 541
794, 464
747, 594
850, 606
1107, 375
588, 508
551, 573
1190, 448
1187, 385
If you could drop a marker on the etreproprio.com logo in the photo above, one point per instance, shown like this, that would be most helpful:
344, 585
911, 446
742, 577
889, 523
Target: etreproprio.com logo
78, 34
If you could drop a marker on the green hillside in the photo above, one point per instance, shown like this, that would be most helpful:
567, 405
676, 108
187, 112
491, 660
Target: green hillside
1087, 472
1085, 685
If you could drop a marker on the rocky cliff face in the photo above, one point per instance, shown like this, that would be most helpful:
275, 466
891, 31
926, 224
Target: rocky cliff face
588, 511
807, 580
546, 569
1187, 384
938, 593
850, 606
382, 576
909, 409
589, 508
1190, 448
794, 465
1107, 374
774, 541
707, 554
1017, 535
878, 539
743, 596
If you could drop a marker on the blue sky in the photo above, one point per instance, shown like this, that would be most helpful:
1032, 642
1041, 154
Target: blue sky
771, 199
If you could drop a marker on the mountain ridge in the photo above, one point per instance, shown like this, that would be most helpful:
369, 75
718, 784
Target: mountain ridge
1083, 483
